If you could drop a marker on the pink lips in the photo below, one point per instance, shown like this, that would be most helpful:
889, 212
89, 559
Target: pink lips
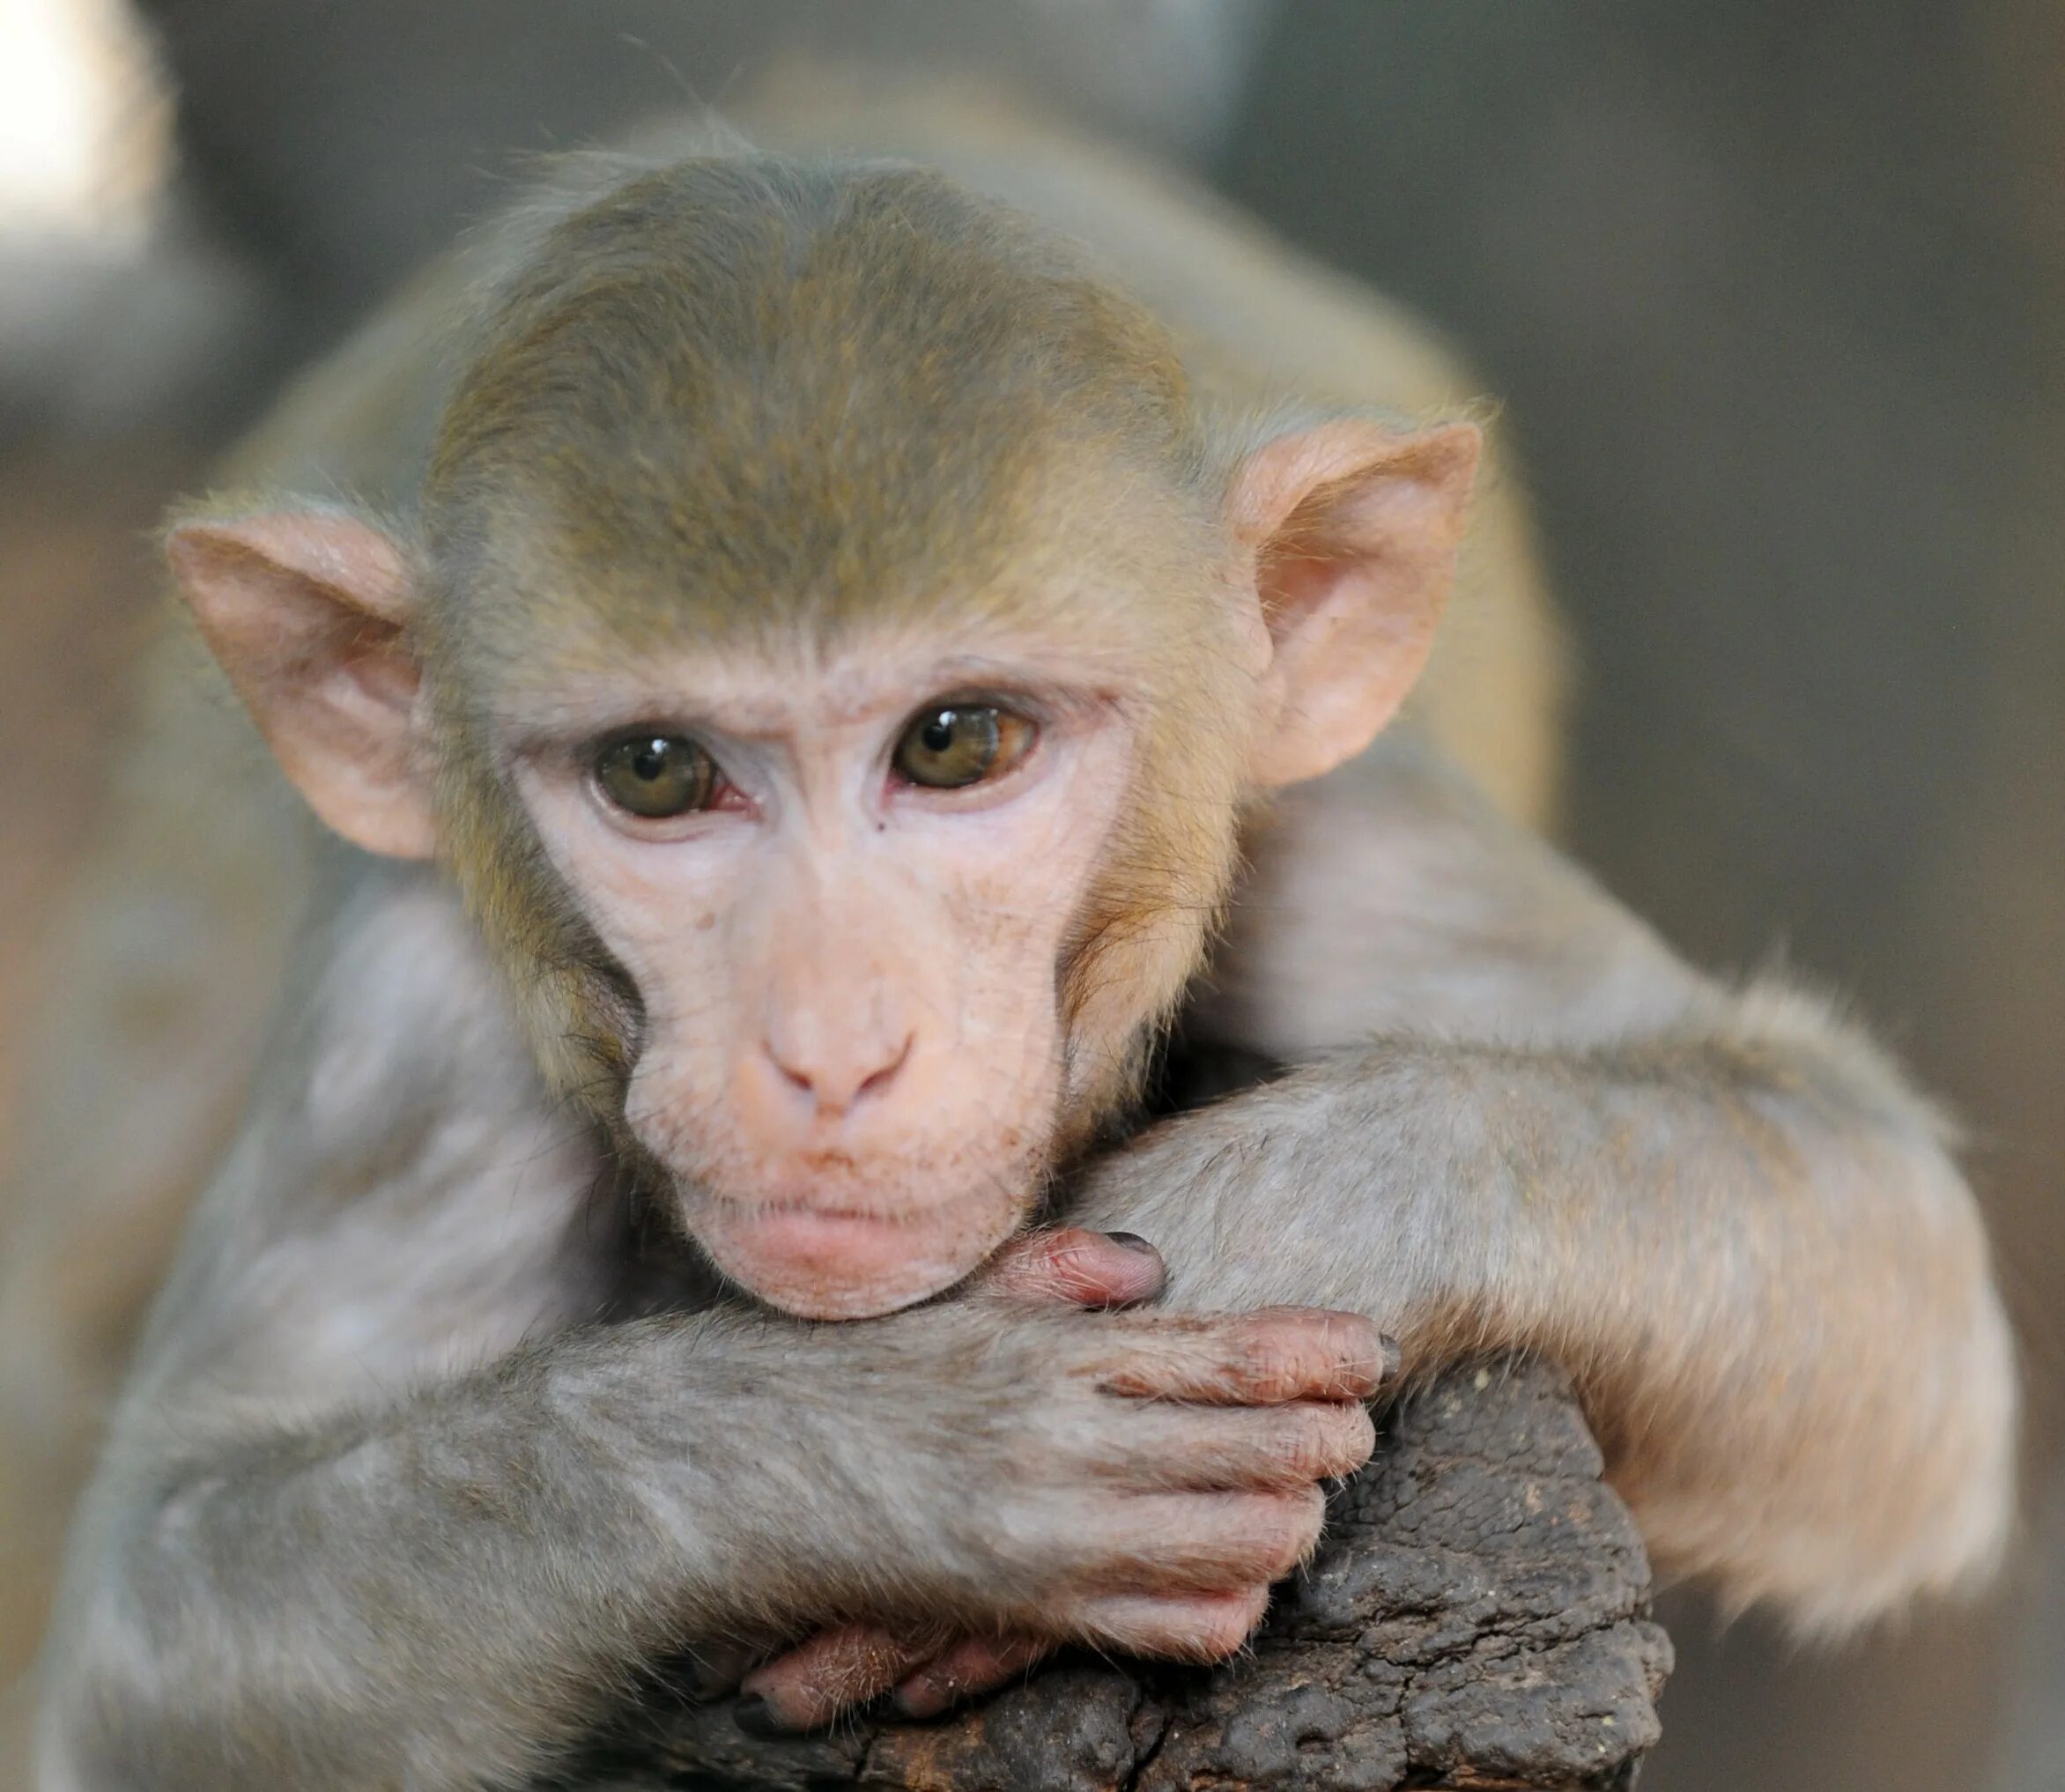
821, 1262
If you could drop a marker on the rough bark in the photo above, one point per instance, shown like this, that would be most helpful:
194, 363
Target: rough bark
1478, 1619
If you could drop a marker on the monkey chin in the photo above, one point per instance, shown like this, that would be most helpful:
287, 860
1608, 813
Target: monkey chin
831, 1262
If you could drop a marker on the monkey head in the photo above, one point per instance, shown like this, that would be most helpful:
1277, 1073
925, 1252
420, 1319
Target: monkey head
830, 648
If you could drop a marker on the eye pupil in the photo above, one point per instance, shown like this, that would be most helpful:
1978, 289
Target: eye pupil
937, 734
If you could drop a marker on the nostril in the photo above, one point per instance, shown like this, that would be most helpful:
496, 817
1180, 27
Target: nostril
829, 1089
876, 1082
794, 1070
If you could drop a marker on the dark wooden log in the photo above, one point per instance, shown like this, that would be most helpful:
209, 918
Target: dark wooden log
1478, 1619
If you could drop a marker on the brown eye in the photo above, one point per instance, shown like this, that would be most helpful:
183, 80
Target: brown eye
656, 775
945, 748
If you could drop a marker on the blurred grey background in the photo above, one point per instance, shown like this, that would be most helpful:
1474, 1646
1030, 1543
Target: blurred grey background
1773, 294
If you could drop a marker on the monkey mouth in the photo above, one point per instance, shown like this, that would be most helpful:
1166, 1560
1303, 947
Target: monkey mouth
824, 1261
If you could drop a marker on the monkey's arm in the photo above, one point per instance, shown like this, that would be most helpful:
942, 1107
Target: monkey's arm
388, 1506
445, 1589
1526, 1123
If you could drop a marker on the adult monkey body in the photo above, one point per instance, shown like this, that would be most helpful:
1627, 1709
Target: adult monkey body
926, 629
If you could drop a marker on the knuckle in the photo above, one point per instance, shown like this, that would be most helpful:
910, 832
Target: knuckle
1033, 1543
1311, 1446
1296, 1533
1125, 1364
1361, 1439
1312, 1525
1267, 1372
1259, 1359
1333, 1440
1228, 1623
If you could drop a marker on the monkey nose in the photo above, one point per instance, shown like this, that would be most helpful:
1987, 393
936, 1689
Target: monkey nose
835, 1084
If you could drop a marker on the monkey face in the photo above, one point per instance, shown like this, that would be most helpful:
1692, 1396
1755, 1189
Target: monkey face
831, 669
843, 888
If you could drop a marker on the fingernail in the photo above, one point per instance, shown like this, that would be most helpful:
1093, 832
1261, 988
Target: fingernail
1392, 1357
756, 1717
1132, 1241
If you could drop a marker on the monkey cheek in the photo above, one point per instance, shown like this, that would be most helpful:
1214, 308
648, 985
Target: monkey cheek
830, 1263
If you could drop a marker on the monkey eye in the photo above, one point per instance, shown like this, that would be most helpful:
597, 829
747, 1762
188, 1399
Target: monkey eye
656, 775
949, 745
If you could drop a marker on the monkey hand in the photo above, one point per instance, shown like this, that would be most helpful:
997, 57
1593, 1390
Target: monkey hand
1193, 1583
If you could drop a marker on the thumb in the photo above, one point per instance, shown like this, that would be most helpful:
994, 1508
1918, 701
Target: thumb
1076, 1267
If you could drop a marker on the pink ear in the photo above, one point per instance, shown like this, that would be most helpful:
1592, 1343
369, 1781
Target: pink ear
305, 611
1354, 529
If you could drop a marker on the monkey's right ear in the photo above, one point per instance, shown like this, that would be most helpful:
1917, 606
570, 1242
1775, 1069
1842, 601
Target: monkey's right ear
304, 609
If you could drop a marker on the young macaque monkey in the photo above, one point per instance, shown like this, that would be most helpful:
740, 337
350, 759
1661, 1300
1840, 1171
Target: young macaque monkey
805, 665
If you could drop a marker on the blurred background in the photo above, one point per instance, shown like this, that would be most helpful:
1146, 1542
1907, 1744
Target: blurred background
1774, 294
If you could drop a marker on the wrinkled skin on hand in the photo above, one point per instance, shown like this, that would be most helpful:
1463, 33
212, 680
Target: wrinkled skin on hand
1314, 1370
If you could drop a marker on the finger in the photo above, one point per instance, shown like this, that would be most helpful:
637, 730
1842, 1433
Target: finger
1175, 1630
1169, 1448
1167, 1545
1276, 1355
1077, 1267
975, 1665
814, 1682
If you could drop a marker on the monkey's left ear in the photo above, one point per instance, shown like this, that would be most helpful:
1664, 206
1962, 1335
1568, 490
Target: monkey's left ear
304, 609
1354, 529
